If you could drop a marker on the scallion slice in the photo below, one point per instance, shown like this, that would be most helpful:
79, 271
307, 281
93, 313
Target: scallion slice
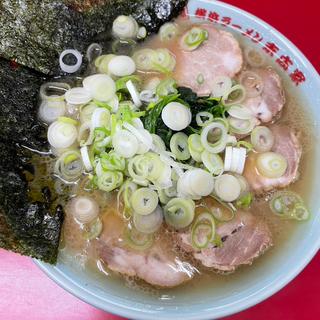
289, 205
179, 146
168, 31
203, 118
271, 164
138, 240
193, 38
148, 223
214, 137
69, 166
144, 201
262, 139
212, 162
179, 213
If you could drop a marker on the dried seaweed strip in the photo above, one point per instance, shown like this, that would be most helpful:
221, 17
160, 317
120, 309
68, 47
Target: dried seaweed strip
26, 226
35, 32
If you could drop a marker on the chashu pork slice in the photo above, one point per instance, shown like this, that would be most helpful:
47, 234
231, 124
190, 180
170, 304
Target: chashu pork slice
244, 238
269, 103
220, 55
288, 145
157, 265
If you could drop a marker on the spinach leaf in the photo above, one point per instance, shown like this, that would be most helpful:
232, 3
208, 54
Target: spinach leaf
198, 104
153, 121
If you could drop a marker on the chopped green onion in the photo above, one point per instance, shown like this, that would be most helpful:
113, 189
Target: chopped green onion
109, 180
138, 169
234, 96
195, 155
125, 27
158, 143
144, 201
138, 240
220, 86
289, 205
86, 112
112, 161
144, 59
126, 191
244, 201
93, 230
227, 188
62, 134
100, 86
212, 162
201, 234
262, 139
271, 165
245, 144
240, 126
240, 112
193, 38
148, 223
208, 117
200, 79
217, 132
166, 87
121, 83
102, 63
194, 143
179, 146
221, 210
125, 143
206, 217
69, 166
163, 61
168, 31
179, 213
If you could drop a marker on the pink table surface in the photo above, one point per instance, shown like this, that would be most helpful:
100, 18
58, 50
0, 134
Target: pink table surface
26, 293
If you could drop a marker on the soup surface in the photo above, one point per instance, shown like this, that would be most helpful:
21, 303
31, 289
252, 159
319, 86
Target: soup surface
91, 246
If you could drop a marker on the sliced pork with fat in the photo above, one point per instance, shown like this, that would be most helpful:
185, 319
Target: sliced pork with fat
220, 55
288, 145
157, 265
270, 101
244, 238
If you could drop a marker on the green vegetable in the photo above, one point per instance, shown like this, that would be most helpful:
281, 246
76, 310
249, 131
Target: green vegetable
121, 83
109, 180
179, 146
138, 240
245, 201
212, 162
200, 235
166, 87
112, 161
289, 205
125, 192
201, 104
153, 121
144, 201
193, 38
93, 230
179, 213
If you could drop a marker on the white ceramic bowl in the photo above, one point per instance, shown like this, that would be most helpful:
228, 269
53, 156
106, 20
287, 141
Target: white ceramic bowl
261, 281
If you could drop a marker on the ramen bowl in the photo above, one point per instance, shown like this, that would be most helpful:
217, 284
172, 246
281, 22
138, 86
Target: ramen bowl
263, 279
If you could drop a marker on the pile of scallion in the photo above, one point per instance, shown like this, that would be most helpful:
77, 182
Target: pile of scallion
162, 148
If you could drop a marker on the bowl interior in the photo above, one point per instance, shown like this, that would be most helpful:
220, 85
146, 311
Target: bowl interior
255, 284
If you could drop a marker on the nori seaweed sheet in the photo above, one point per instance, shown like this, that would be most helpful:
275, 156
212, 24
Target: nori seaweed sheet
26, 226
35, 32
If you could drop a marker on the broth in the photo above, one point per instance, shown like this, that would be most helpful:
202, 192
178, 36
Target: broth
82, 255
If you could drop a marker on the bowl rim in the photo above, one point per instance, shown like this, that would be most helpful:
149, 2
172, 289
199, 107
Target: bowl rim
72, 287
